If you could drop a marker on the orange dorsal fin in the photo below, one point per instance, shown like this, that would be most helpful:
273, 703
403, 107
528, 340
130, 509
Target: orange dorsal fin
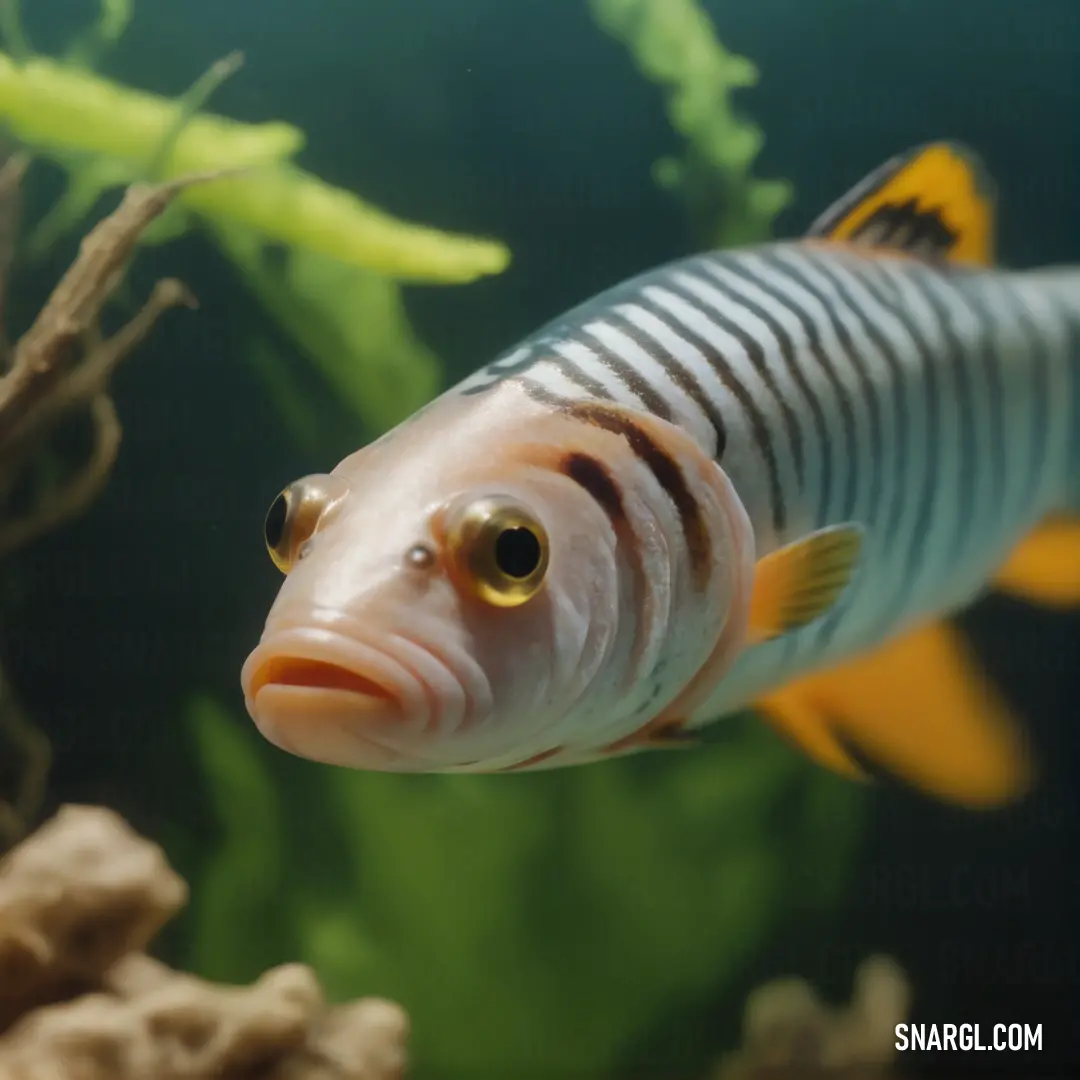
918, 707
799, 582
1044, 568
936, 201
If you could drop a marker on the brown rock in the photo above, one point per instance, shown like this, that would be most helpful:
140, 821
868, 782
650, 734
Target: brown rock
78, 901
77, 895
789, 1033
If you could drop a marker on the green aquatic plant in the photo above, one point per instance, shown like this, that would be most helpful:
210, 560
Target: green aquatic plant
327, 266
68, 113
11, 31
675, 45
113, 19
351, 323
538, 924
240, 884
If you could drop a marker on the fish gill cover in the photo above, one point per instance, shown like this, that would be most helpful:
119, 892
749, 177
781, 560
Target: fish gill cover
438, 891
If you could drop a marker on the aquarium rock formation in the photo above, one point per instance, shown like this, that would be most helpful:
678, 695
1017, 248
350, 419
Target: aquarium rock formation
789, 1032
80, 901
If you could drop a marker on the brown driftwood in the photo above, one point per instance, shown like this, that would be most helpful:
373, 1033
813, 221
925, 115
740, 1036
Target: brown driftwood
62, 364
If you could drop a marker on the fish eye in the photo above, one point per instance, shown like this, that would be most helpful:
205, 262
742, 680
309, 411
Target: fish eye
294, 516
501, 550
276, 516
276, 529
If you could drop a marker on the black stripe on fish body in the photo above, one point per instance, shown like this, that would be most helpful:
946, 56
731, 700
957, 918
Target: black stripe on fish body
1038, 364
622, 318
1072, 324
576, 373
1012, 349
851, 294
894, 483
631, 377
682, 311
956, 361
989, 371
720, 275
704, 294
517, 362
903, 334
891, 274
772, 279
800, 270
908, 542
668, 475
986, 388
897, 279
892, 348
592, 475
540, 393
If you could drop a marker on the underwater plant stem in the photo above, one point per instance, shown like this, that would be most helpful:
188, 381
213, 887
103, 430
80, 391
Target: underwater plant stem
11, 31
21, 739
88, 379
11, 174
71, 310
50, 379
77, 493
191, 102
113, 20
675, 45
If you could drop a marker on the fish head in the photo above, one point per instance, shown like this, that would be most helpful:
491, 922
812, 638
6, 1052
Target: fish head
457, 598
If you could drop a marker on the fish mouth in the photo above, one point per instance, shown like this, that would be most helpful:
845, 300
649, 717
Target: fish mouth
323, 696
320, 658
310, 674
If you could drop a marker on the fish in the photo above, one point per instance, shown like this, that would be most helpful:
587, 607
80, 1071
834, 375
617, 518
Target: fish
760, 480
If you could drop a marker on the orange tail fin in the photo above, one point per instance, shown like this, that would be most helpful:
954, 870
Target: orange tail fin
920, 708
1044, 568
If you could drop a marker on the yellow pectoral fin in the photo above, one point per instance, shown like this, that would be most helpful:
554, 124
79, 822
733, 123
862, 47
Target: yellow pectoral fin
1044, 568
918, 707
799, 582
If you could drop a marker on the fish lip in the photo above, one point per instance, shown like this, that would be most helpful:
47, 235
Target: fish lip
316, 658
304, 673
379, 755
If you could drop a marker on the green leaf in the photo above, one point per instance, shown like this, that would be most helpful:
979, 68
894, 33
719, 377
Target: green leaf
351, 323
237, 898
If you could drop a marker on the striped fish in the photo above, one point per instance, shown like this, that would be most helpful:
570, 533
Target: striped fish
759, 479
